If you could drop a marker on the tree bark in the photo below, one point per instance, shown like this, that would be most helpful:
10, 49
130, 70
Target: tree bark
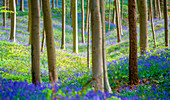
166, 23
8, 4
158, 9
35, 42
63, 25
152, 25
106, 81
22, 5
155, 9
114, 13
122, 10
97, 61
4, 13
74, 21
109, 15
88, 43
133, 71
142, 5
162, 7
13, 20
82, 21
50, 41
87, 15
53, 4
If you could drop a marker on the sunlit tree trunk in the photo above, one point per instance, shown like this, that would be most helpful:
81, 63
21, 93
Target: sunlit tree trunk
166, 24
152, 25
4, 13
97, 61
50, 41
30, 20
142, 6
63, 25
21, 5
13, 20
75, 30
106, 81
82, 21
35, 42
88, 43
133, 71
118, 22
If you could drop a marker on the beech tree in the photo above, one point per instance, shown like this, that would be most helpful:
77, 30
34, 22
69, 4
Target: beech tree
74, 23
97, 61
35, 42
4, 13
21, 5
106, 81
133, 71
29, 20
114, 13
16, 1
166, 23
142, 6
109, 15
87, 15
13, 20
50, 41
82, 21
63, 25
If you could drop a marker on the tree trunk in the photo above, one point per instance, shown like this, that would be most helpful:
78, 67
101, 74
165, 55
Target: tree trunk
22, 5
63, 25
162, 7
30, 20
57, 3
35, 42
142, 5
166, 23
43, 39
13, 20
4, 13
158, 9
106, 81
50, 41
97, 61
87, 15
118, 21
8, 4
40, 4
155, 9
88, 43
133, 71
82, 21
74, 21
16, 1
53, 4
109, 15
153, 32
114, 13
122, 10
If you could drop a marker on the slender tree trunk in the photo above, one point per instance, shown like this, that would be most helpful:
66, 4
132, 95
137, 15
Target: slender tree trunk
122, 10
53, 4
30, 20
155, 9
106, 81
8, 4
43, 40
133, 71
88, 43
50, 41
74, 21
4, 13
142, 5
57, 3
158, 9
162, 7
87, 15
13, 20
118, 21
152, 25
166, 23
97, 61
109, 15
114, 13
63, 25
35, 42
82, 21
22, 5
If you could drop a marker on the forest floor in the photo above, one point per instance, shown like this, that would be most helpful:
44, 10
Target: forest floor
15, 62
